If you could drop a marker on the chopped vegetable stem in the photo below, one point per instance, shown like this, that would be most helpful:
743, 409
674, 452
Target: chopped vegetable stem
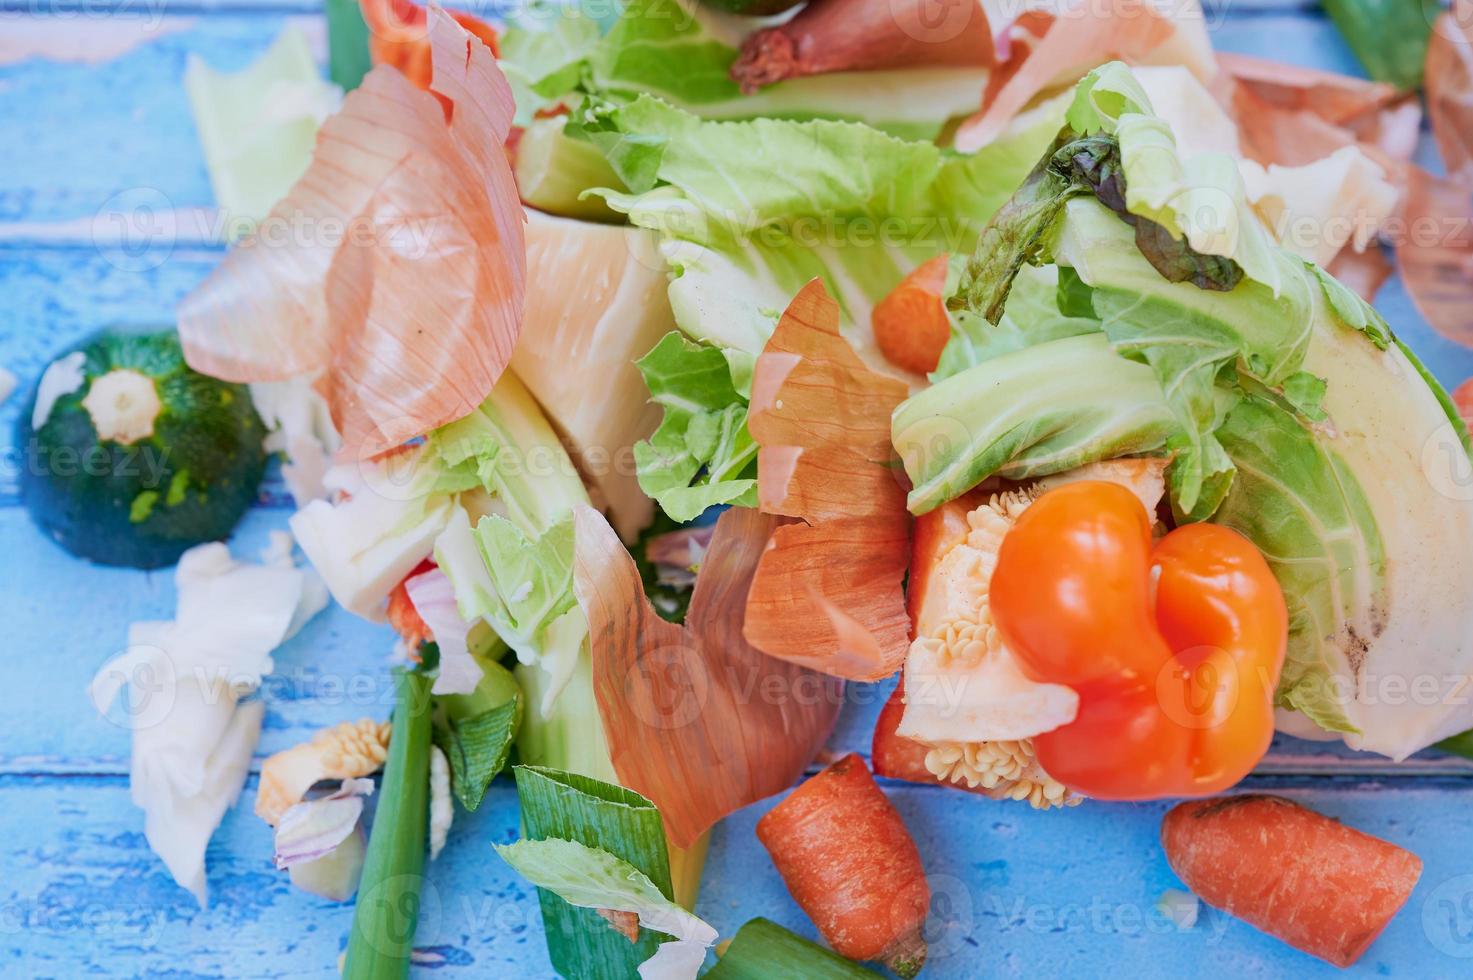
347, 44
384, 920
850, 863
764, 950
601, 815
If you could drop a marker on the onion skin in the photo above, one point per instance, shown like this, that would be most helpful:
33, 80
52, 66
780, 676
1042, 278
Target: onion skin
865, 35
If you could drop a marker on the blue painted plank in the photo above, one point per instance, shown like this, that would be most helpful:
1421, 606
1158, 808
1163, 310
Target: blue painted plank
67, 618
1031, 893
1018, 893
1303, 38
131, 112
83, 895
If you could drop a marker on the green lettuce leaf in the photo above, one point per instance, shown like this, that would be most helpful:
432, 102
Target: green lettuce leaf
544, 55
1042, 409
1151, 240
856, 208
1033, 316
522, 585
513, 567
514, 454
553, 170
1200, 200
1303, 507
681, 52
702, 454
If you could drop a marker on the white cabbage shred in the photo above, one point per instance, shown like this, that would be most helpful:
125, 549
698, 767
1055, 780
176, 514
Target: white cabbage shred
193, 733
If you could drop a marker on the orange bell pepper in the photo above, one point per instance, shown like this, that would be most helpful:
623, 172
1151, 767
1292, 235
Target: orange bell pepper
1175, 648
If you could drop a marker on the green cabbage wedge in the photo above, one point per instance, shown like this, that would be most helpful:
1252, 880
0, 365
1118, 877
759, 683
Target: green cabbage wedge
1127, 301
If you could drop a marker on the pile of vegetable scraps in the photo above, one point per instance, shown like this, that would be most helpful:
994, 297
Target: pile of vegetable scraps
1027, 368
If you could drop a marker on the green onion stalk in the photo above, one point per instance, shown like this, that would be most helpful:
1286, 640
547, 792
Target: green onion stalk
382, 940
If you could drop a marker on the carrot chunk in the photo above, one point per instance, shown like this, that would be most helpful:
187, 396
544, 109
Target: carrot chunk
911, 324
404, 617
1463, 398
852, 866
1311, 881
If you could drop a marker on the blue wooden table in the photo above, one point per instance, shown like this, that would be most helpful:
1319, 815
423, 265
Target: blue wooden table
93, 126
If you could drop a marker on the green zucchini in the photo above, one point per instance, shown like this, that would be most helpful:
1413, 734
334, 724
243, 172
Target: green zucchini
129, 457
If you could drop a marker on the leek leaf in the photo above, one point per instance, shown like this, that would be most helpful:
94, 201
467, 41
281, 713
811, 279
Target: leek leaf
477, 746
1389, 37
347, 44
570, 807
592, 878
764, 950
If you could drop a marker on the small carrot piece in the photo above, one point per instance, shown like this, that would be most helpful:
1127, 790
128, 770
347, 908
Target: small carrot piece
1311, 881
1463, 398
850, 863
911, 324
404, 617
